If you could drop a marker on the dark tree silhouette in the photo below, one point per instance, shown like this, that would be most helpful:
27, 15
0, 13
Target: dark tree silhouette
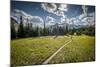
13, 31
21, 29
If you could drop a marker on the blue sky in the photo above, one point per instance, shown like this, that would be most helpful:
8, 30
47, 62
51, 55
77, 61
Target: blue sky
40, 9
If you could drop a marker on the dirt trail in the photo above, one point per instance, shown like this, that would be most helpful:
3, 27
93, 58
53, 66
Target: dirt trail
46, 61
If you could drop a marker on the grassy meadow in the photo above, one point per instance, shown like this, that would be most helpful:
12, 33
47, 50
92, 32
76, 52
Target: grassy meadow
81, 49
34, 51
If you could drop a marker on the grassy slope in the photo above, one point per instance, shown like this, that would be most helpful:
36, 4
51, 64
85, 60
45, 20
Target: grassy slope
29, 51
81, 49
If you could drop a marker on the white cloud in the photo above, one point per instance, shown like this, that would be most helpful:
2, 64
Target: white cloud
36, 19
59, 13
84, 19
91, 20
85, 9
19, 13
80, 20
65, 20
27, 18
17, 10
63, 7
87, 19
50, 20
57, 9
91, 14
82, 16
13, 16
75, 21
49, 7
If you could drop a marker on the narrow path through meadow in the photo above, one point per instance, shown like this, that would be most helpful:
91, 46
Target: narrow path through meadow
46, 61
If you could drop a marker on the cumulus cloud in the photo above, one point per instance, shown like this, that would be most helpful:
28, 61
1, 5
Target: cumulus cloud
74, 21
36, 19
85, 9
50, 7
14, 17
82, 16
65, 20
80, 20
19, 13
89, 19
50, 20
57, 9
27, 18
60, 13
16, 13
86, 18
83, 19
91, 14
63, 7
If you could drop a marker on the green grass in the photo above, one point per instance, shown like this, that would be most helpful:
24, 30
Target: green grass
31, 51
81, 49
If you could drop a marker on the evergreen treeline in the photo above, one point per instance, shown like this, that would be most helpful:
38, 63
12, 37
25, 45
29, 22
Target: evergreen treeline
19, 30
89, 30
